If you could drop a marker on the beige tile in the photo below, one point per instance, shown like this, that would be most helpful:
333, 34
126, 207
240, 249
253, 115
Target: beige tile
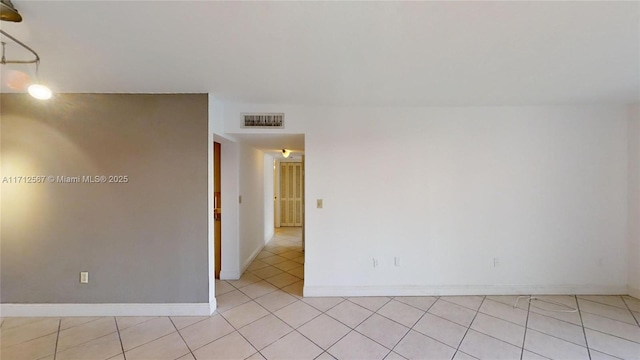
169, 347
267, 272
557, 328
257, 265
485, 347
206, 331
605, 299
294, 289
145, 332
553, 347
70, 322
569, 301
12, 322
325, 356
632, 303
121, 357
349, 313
86, 332
636, 315
402, 313
596, 355
291, 254
504, 312
292, 346
608, 311
273, 260
441, 329
244, 314
612, 327
420, 302
265, 331
14, 335
394, 356
612, 345
323, 303
297, 272
263, 254
324, 330
372, 303
500, 329
99, 349
232, 346
129, 321
357, 346
287, 265
299, 260
256, 356
462, 356
276, 300
32, 349
382, 330
556, 312
223, 287
186, 357
511, 300
282, 280
231, 300
528, 355
452, 312
297, 314
470, 302
182, 322
418, 346
245, 279
258, 289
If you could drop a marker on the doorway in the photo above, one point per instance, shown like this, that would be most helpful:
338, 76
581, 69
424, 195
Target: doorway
291, 194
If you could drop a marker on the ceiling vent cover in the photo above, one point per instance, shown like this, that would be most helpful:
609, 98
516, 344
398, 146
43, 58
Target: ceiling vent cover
266, 121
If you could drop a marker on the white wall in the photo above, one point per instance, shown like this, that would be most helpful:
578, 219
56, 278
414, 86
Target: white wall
268, 198
252, 215
634, 200
447, 190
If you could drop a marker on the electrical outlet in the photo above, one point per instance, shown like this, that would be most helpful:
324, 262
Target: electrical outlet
396, 261
84, 277
319, 203
375, 262
496, 262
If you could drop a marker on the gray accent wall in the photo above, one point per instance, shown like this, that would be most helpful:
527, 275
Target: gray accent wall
143, 241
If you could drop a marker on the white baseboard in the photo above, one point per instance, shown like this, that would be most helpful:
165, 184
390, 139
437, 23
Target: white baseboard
269, 237
319, 291
229, 274
60, 310
634, 292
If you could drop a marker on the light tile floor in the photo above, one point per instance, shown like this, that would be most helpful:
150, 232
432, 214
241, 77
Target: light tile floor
263, 315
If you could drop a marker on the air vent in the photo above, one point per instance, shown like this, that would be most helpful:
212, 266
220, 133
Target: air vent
267, 121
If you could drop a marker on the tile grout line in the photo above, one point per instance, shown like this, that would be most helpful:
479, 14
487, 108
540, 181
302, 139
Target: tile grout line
183, 340
411, 328
631, 311
584, 332
55, 350
120, 338
469, 327
526, 326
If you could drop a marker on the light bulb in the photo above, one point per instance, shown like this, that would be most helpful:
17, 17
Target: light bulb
40, 91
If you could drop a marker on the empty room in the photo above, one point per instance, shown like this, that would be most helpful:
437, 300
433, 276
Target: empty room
192, 180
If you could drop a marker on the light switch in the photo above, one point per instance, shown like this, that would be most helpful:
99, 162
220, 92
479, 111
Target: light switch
319, 203
84, 277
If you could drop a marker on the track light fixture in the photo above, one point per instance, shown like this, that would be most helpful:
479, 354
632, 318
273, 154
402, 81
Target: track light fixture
36, 89
8, 12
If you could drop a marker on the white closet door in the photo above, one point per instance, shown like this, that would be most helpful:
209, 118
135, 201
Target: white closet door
291, 194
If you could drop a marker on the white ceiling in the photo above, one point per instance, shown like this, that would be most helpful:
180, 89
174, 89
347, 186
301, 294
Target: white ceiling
341, 53
273, 144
